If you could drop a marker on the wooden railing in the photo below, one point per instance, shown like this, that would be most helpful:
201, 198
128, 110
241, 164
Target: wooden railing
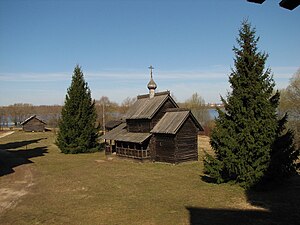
133, 153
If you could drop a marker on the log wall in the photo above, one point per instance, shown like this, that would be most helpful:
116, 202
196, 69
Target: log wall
34, 125
163, 148
187, 142
138, 125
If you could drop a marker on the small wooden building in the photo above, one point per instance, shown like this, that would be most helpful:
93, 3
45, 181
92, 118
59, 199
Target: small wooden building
33, 124
155, 128
175, 137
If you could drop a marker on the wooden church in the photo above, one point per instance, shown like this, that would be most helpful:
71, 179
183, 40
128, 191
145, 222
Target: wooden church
155, 128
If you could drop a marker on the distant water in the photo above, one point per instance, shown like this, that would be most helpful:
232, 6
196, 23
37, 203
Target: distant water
213, 113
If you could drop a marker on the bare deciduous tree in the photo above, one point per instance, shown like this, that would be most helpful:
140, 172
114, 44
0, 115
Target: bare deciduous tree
198, 107
290, 104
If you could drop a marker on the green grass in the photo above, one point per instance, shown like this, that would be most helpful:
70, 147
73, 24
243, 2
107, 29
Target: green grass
89, 189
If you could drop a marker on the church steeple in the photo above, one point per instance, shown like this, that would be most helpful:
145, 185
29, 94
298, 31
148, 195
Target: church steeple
151, 85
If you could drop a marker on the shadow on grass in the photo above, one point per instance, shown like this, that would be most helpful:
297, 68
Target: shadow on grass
204, 216
207, 179
11, 158
280, 206
19, 144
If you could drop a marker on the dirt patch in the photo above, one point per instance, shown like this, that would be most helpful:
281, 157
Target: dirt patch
204, 146
203, 142
15, 186
5, 133
100, 161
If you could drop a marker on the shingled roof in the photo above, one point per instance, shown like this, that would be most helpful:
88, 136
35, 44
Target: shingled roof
172, 121
112, 124
30, 118
120, 133
145, 107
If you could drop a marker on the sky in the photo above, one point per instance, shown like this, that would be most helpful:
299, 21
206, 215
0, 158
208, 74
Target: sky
188, 42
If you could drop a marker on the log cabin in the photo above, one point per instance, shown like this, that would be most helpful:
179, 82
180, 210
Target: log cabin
155, 128
174, 137
33, 124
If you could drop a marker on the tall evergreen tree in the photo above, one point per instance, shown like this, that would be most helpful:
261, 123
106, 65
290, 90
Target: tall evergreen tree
245, 133
284, 154
77, 128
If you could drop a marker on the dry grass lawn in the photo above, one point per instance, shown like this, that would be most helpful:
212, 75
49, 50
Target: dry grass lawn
40, 185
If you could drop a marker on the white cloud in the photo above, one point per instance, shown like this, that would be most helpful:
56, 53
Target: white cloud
50, 88
284, 72
33, 77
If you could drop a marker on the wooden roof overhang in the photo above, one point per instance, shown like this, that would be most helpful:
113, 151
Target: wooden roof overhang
146, 108
30, 118
120, 133
172, 121
112, 124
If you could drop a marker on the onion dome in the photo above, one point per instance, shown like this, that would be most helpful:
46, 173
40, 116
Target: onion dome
151, 84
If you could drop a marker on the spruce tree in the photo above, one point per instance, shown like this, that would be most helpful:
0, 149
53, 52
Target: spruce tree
77, 127
246, 130
284, 154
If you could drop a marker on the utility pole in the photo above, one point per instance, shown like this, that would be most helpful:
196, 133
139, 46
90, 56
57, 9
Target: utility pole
103, 112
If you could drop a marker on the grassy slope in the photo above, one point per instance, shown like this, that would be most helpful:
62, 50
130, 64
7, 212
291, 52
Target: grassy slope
88, 189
